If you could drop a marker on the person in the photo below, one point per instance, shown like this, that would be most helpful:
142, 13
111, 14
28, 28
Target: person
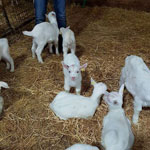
59, 8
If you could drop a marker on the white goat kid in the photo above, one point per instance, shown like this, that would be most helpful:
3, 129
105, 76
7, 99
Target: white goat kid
4, 85
136, 77
5, 55
69, 41
116, 132
66, 105
82, 147
42, 34
72, 72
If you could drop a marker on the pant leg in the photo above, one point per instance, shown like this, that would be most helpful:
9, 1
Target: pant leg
60, 9
40, 10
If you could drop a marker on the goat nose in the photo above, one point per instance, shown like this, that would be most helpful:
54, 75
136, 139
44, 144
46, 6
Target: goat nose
73, 78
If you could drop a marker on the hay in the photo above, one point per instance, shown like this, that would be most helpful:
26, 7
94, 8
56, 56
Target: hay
105, 36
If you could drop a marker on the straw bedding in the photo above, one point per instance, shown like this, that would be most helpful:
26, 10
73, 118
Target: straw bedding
105, 36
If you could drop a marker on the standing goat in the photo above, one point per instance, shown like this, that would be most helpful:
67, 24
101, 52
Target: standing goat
72, 72
42, 34
5, 55
136, 77
66, 105
69, 41
116, 132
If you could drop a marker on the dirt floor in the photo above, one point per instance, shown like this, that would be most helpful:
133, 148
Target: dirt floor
105, 36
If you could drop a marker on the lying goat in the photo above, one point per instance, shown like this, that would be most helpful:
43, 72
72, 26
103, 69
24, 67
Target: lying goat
66, 105
82, 147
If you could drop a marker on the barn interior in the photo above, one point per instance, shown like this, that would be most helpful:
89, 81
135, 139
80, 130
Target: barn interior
106, 31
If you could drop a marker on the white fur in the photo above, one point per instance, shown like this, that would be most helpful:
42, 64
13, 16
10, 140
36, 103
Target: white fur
1, 104
5, 55
82, 147
66, 105
116, 132
72, 72
69, 41
4, 85
43, 33
136, 76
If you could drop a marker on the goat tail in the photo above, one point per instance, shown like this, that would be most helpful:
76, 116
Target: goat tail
27, 33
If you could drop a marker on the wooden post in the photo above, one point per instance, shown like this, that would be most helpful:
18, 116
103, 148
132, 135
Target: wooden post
6, 16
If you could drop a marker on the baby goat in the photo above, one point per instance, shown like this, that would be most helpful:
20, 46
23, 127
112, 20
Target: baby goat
4, 85
69, 41
82, 147
72, 72
66, 105
136, 77
42, 34
116, 132
5, 55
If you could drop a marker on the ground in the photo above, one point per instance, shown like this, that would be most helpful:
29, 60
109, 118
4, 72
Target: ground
105, 36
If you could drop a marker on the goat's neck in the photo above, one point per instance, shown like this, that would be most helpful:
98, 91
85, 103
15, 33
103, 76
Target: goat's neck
96, 97
53, 21
116, 110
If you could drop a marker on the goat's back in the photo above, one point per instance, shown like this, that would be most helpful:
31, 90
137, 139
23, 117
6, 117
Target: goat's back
136, 76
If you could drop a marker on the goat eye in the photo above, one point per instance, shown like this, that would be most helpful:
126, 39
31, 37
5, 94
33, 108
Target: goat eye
69, 71
115, 102
77, 71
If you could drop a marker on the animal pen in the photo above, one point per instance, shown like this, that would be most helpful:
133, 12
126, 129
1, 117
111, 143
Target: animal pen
105, 36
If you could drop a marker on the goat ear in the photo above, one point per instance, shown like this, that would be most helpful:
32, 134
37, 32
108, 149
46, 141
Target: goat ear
3, 84
83, 66
68, 27
121, 90
64, 65
53, 14
93, 82
61, 30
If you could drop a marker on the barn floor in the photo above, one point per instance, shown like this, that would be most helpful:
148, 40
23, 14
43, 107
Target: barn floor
105, 36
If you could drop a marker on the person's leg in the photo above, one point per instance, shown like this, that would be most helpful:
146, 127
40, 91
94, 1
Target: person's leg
40, 10
60, 9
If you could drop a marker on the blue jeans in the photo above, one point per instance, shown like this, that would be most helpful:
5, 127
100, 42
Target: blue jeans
41, 9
